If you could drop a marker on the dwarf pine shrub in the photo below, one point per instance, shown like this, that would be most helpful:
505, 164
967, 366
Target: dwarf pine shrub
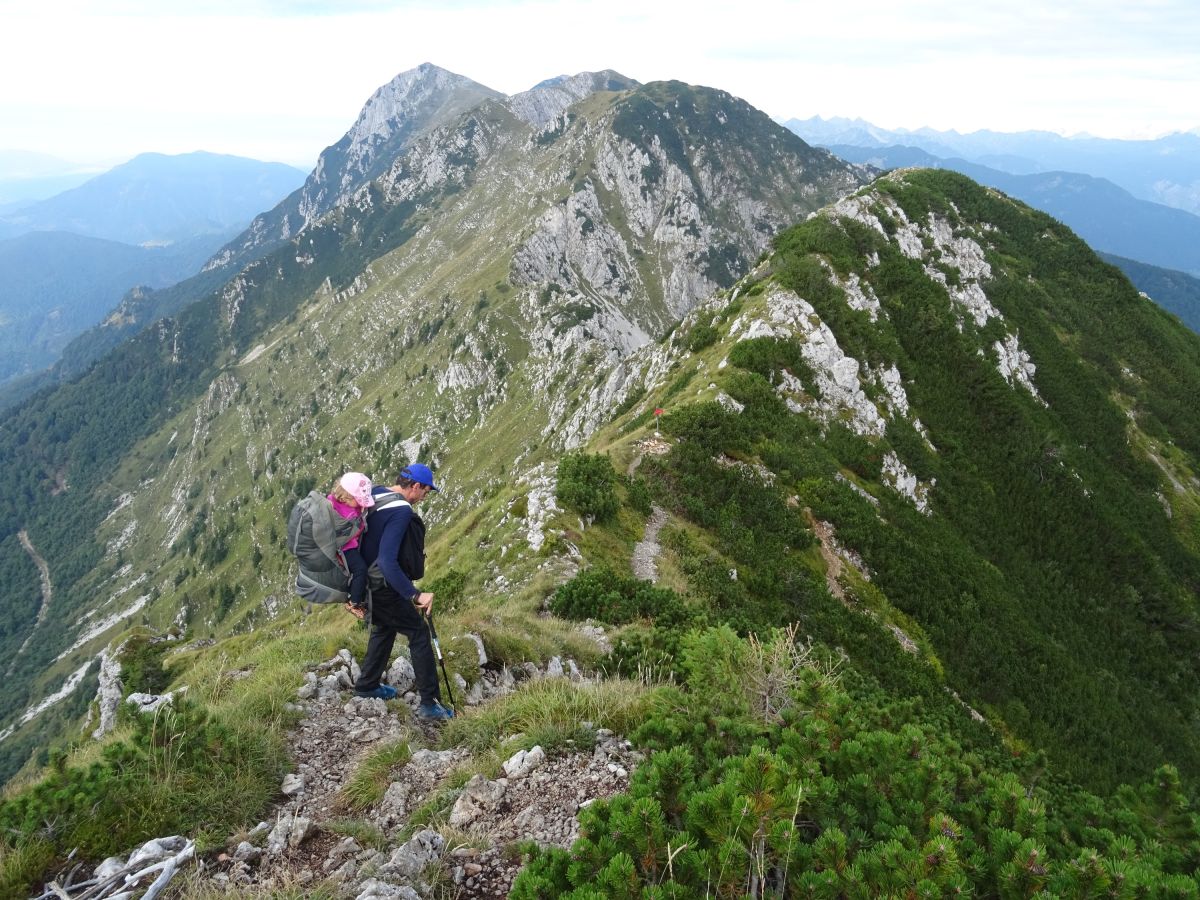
851, 796
178, 767
601, 594
587, 483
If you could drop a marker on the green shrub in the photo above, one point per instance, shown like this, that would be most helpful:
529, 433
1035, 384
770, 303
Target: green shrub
588, 484
850, 796
650, 654
448, 587
141, 666
639, 495
768, 356
702, 336
601, 594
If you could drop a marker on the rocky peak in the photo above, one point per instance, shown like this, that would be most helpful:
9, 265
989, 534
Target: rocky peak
414, 102
548, 99
409, 106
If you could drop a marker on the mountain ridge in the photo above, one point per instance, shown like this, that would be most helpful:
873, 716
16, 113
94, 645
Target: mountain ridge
1104, 214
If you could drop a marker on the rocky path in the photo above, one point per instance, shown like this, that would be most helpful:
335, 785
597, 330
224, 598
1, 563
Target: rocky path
837, 558
646, 552
446, 824
47, 593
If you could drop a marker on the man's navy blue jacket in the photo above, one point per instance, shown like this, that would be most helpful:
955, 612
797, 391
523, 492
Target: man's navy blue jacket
384, 535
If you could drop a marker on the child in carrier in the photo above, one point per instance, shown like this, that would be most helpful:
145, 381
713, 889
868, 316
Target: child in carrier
351, 497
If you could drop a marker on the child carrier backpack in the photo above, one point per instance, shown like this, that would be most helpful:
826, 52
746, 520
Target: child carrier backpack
412, 546
315, 534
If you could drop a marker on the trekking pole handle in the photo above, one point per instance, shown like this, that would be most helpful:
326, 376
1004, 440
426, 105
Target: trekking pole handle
437, 646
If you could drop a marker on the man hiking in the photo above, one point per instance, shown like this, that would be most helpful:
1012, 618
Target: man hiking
394, 547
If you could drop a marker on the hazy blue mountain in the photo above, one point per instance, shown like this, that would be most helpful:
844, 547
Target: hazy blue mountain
1165, 170
1106, 216
55, 285
26, 177
159, 199
1176, 292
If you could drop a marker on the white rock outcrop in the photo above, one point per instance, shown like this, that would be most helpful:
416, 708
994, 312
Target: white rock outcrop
109, 690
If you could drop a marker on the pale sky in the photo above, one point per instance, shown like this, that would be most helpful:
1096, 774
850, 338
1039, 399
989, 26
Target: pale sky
99, 82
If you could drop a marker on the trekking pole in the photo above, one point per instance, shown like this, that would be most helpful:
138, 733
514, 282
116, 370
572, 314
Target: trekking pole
437, 649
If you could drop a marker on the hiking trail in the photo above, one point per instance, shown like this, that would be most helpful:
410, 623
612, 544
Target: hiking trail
647, 550
47, 594
315, 839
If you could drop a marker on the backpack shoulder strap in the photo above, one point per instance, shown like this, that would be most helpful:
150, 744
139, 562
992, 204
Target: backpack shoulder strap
390, 500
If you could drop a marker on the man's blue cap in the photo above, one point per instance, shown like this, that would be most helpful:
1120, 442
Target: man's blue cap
419, 473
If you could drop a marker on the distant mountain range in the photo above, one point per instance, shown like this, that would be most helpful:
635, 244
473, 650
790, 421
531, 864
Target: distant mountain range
27, 177
54, 285
1166, 170
69, 259
159, 199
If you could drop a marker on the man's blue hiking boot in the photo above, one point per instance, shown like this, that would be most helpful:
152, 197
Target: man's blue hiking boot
383, 692
434, 711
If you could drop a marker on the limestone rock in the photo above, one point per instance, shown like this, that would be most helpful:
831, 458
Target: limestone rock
477, 797
401, 675
478, 641
411, 859
247, 852
394, 805
524, 761
148, 703
374, 889
109, 690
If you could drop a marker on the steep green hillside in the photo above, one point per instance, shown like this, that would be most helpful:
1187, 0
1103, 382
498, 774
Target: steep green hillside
1006, 524
1027, 447
1173, 291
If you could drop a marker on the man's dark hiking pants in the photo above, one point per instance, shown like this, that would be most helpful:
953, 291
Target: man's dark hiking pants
391, 614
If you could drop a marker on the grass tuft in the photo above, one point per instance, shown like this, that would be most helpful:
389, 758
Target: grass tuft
552, 712
370, 780
364, 832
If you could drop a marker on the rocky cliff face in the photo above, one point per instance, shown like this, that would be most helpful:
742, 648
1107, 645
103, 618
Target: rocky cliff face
544, 103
